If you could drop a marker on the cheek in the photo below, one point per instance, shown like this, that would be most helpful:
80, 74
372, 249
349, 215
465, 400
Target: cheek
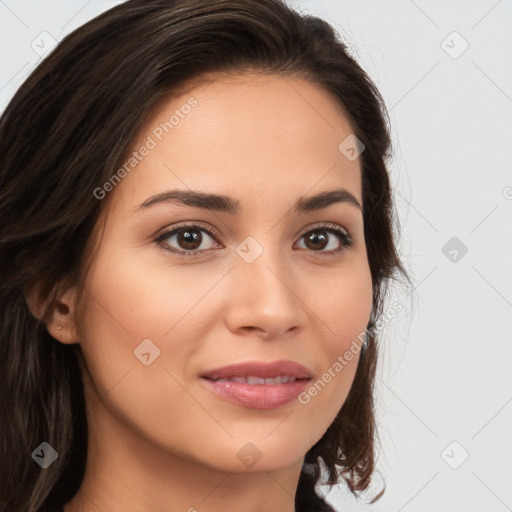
351, 311
345, 308
132, 300
120, 314
142, 297
129, 304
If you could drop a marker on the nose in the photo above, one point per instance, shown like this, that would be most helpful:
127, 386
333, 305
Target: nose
265, 298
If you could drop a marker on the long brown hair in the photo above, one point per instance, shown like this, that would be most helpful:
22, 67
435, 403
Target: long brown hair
64, 134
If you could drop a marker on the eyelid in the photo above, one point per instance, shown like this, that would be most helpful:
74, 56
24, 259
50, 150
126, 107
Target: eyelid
325, 225
188, 224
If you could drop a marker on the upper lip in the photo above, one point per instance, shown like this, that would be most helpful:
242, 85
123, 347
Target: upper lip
259, 369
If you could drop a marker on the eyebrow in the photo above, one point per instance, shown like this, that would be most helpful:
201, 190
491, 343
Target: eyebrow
232, 206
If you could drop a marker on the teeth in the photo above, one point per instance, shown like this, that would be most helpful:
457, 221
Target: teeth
249, 379
255, 380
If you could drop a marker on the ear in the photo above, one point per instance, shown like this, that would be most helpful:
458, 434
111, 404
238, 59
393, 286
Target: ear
63, 314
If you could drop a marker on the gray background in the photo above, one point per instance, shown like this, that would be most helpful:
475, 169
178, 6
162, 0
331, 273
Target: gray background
444, 390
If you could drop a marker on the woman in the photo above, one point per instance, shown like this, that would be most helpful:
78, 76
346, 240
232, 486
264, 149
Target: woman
196, 236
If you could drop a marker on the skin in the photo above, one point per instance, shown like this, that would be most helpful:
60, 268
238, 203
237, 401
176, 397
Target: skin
158, 440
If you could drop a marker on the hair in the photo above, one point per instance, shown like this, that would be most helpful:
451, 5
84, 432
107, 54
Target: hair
65, 133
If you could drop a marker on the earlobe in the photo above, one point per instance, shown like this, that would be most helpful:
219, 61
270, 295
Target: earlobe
61, 323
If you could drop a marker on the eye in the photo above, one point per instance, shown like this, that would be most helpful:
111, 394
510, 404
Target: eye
317, 240
188, 237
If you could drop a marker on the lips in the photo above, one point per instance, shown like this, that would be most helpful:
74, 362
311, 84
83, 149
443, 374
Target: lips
253, 372
258, 385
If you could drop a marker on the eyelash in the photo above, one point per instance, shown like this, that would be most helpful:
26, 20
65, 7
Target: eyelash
341, 233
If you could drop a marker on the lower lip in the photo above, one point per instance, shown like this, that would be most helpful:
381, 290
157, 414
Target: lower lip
257, 396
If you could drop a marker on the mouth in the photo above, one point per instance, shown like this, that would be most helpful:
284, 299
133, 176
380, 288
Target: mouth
256, 372
258, 385
259, 381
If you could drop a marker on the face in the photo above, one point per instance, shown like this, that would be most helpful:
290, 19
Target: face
266, 283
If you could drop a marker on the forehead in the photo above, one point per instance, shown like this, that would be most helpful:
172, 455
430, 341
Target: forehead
243, 135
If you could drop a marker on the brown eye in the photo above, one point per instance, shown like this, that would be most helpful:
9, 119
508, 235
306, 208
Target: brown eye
187, 239
316, 240
319, 238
